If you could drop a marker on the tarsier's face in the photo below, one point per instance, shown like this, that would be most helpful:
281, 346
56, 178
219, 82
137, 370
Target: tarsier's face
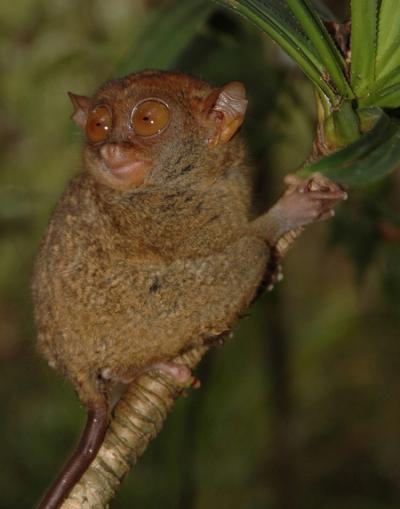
149, 128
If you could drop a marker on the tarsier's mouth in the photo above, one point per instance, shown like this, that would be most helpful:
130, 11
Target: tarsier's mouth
127, 167
124, 164
132, 172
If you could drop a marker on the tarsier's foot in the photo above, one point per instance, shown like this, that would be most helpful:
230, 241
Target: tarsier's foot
179, 373
310, 200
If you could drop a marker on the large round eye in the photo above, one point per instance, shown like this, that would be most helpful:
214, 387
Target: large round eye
150, 117
99, 122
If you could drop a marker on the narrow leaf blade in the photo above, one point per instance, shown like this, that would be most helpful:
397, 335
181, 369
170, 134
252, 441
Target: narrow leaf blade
364, 17
324, 11
379, 163
369, 159
323, 43
274, 18
388, 97
388, 50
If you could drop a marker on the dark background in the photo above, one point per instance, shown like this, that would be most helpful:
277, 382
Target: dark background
301, 408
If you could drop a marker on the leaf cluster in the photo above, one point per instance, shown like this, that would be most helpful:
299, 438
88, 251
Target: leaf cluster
357, 80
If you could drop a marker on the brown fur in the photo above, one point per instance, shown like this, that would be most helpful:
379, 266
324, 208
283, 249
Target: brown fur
127, 279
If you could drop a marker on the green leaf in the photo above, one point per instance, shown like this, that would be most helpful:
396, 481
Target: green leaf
352, 152
275, 18
364, 16
323, 43
385, 93
393, 78
167, 35
388, 51
369, 159
388, 97
324, 11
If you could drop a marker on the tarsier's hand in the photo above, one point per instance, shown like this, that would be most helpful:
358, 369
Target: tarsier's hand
310, 200
304, 202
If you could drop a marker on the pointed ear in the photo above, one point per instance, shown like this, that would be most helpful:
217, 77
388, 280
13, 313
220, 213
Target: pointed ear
81, 109
226, 109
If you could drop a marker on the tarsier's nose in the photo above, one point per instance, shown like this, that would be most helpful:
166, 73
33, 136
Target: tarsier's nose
116, 155
125, 163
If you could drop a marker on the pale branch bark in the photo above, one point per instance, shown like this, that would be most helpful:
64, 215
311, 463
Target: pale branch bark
137, 419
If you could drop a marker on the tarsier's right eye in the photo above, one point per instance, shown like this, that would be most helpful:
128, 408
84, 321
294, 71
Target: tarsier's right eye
150, 117
99, 123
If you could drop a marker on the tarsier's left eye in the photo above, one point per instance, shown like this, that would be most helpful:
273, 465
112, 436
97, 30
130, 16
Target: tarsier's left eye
99, 124
150, 117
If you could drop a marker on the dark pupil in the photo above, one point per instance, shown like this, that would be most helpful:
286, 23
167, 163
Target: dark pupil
146, 118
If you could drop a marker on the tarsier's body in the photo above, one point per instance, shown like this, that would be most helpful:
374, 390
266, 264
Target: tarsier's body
152, 249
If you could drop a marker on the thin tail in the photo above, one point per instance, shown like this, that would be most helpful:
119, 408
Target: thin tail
85, 452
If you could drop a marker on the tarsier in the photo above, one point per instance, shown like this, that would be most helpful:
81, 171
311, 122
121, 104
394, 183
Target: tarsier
152, 250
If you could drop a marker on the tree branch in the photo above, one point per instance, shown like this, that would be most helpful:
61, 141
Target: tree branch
137, 419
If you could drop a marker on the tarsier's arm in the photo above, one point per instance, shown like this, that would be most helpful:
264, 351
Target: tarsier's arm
303, 203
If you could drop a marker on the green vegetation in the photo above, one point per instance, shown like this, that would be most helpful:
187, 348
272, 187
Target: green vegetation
354, 87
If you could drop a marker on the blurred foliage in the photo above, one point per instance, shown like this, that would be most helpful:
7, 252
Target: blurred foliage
300, 409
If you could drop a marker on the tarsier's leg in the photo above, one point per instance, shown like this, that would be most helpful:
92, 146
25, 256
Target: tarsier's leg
304, 202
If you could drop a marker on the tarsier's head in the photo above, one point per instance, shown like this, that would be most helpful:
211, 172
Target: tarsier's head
154, 127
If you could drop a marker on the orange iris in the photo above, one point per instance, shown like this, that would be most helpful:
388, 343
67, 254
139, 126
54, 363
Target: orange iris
99, 123
150, 117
